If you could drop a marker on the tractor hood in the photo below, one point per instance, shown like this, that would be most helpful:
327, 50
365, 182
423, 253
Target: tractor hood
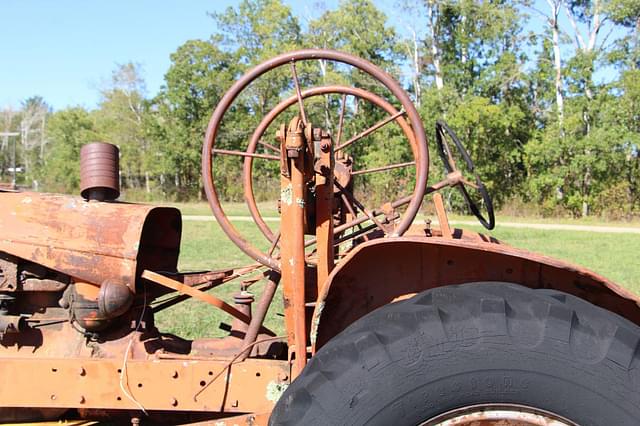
90, 241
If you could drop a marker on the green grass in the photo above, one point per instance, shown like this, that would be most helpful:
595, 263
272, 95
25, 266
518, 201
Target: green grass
206, 247
590, 221
267, 208
614, 256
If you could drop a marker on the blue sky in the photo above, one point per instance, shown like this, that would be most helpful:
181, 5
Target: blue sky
62, 50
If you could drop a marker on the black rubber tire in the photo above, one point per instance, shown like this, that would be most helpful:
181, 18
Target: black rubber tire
475, 343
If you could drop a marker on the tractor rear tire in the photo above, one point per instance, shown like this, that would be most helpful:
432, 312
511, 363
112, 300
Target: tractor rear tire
475, 348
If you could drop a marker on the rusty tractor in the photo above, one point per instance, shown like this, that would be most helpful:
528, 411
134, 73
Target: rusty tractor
387, 320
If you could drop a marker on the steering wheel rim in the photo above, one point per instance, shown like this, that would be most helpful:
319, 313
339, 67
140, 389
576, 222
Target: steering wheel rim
441, 129
225, 103
268, 119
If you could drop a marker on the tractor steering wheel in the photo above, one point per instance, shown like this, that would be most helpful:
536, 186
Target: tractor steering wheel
444, 132
407, 112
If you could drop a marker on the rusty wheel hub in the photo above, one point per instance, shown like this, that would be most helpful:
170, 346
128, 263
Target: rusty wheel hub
498, 415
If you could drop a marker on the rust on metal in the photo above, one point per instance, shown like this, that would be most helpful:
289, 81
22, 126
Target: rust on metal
150, 383
324, 210
91, 242
361, 282
498, 415
292, 242
342, 169
258, 317
422, 156
99, 171
82, 279
443, 220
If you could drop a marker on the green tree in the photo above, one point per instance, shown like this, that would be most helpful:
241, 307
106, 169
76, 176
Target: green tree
626, 13
67, 131
120, 121
199, 75
257, 30
357, 27
478, 87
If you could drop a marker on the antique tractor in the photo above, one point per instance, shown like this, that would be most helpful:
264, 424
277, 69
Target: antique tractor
387, 321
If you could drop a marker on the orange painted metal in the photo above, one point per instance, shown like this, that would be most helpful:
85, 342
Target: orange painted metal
324, 210
90, 241
292, 201
153, 384
129, 366
253, 419
443, 220
377, 272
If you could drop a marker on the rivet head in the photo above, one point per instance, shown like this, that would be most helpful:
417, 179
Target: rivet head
175, 375
53, 397
82, 371
174, 402
81, 400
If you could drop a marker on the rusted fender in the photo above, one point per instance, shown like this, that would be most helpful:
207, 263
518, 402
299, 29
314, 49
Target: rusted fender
380, 271
90, 241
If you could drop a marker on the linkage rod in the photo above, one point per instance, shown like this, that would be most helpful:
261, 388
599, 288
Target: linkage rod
343, 108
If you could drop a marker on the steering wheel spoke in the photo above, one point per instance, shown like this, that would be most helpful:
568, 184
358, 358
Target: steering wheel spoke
444, 134
296, 83
370, 130
383, 168
246, 154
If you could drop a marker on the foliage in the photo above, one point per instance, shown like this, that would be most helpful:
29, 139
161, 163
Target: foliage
541, 129
68, 130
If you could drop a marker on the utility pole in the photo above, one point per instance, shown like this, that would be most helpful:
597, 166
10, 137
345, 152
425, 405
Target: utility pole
6, 135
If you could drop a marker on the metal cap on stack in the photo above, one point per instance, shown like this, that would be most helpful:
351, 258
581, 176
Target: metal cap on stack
99, 170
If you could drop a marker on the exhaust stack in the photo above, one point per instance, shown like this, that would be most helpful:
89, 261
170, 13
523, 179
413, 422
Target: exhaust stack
99, 172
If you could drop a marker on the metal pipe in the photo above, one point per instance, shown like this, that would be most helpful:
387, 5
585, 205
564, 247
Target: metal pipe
273, 279
99, 171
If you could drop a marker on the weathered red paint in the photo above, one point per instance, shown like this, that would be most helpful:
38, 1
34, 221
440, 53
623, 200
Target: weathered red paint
90, 241
377, 272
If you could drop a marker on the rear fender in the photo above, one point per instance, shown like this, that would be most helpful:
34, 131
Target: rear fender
380, 271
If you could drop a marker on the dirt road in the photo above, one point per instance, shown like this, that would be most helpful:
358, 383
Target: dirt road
544, 226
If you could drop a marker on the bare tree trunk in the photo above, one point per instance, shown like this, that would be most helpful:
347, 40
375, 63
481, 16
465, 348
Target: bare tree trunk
433, 15
594, 25
43, 139
414, 53
557, 60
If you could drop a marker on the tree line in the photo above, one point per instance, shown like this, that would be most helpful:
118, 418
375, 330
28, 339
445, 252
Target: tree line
545, 94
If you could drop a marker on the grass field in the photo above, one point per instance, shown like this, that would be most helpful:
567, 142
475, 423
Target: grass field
206, 247
268, 209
